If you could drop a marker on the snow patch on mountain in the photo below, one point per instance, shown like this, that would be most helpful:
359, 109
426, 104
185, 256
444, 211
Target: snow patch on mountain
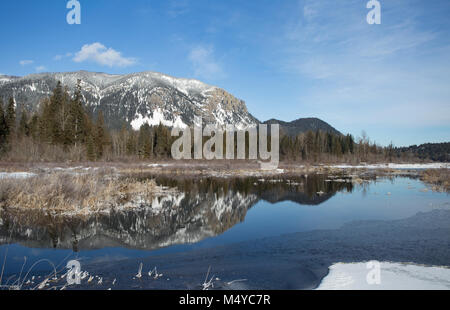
187, 86
5, 79
155, 120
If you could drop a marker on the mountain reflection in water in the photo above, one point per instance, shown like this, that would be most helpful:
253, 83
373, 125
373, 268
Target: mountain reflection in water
202, 208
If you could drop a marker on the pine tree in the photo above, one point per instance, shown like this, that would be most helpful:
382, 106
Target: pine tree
34, 127
78, 120
11, 118
90, 149
131, 144
50, 129
24, 129
145, 144
63, 117
162, 142
56, 106
337, 150
309, 144
351, 143
101, 137
3, 127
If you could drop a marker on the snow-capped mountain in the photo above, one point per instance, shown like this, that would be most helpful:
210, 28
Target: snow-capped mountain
137, 98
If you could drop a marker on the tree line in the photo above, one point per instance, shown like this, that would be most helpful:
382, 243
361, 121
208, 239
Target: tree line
63, 130
428, 151
324, 146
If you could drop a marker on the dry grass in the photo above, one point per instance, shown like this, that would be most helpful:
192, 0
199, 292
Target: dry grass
438, 178
74, 193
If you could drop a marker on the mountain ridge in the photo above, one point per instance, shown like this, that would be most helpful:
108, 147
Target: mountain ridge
146, 97
302, 125
135, 98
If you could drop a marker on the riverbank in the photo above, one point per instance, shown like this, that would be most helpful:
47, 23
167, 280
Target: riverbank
432, 173
75, 193
211, 168
99, 187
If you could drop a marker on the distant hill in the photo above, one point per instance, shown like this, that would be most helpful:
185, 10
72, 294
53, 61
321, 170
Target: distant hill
432, 151
302, 125
136, 98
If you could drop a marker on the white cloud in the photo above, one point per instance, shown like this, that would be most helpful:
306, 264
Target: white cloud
204, 63
40, 68
357, 76
317, 48
100, 54
59, 57
25, 62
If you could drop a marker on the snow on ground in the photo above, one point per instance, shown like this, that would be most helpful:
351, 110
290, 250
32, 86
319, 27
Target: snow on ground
396, 166
158, 165
16, 175
392, 276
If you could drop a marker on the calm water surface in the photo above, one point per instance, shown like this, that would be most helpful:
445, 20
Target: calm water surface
210, 214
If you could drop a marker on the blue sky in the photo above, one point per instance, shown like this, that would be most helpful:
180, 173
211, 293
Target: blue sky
286, 59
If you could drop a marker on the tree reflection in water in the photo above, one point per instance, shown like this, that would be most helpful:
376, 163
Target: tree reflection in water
202, 207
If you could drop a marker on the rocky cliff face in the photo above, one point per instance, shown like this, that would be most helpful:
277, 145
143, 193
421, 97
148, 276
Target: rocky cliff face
136, 99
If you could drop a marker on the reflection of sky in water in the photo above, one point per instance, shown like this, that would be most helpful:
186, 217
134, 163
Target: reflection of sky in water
266, 220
